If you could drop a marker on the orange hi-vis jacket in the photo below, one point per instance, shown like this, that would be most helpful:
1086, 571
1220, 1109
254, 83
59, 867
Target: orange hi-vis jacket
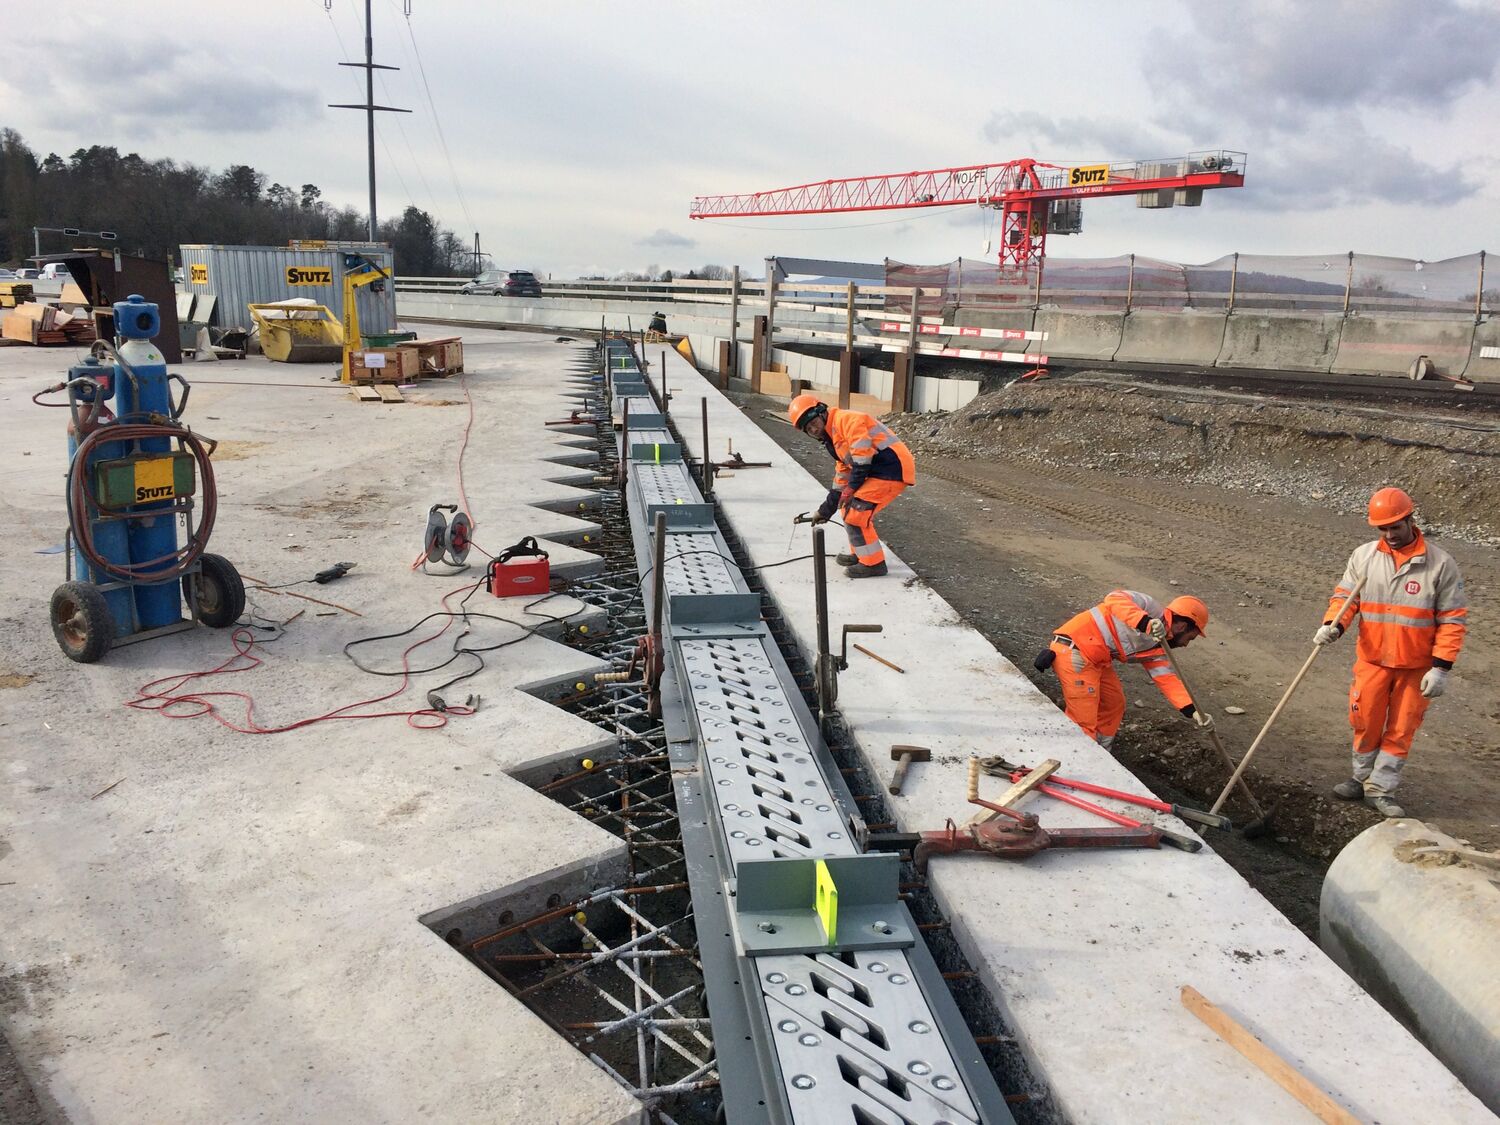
1115, 630
865, 449
1412, 610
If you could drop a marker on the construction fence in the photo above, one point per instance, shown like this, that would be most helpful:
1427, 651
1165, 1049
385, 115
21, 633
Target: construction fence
1343, 282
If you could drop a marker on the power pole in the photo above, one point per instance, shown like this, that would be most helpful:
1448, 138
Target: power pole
477, 256
370, 66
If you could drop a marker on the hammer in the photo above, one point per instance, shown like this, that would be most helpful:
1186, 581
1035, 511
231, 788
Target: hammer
904, 756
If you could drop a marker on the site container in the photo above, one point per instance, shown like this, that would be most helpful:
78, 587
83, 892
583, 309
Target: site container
244, 275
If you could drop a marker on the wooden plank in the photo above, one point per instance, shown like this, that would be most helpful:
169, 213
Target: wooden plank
387, 393
1020, 789
365, 393
1288, 1077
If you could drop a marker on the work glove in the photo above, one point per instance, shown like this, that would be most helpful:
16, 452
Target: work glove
1434, 683
1204, 720
826, 509
1327, 634
1156, 629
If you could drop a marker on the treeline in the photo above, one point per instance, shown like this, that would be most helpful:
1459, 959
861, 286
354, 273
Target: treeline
155, 206
654, 272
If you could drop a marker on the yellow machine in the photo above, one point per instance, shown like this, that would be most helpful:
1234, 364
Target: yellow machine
298, 333
359, 271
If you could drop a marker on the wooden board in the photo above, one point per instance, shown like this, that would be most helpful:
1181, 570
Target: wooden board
365, 393
387, 393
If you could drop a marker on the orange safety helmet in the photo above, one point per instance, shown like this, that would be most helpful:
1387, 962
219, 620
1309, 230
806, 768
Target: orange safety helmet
801, 407
1192, 609
1388, 506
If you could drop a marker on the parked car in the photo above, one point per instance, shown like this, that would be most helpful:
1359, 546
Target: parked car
504, 283
7, 275
26, 273
55, 271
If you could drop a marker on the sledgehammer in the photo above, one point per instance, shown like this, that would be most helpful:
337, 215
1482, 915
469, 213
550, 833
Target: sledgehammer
904, 756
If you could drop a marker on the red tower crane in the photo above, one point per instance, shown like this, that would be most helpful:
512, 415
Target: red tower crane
1033, 197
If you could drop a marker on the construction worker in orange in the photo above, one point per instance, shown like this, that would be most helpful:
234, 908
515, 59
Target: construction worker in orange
873, 469
1126, 626
1412, 617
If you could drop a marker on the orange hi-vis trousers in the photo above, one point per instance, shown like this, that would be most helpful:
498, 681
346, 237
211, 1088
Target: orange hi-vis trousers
1092, 695
1386, 706
859, 519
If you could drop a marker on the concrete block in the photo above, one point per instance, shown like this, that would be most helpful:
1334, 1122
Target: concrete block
1482, 367
1388, 345
1020, 319
1077, 335
1187, 337
1302, 342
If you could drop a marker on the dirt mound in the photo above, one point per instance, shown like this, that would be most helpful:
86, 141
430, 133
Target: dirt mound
1326, 453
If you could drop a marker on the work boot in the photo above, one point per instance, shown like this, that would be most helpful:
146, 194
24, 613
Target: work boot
1386, 806
866, 571
1351, 790
846, 558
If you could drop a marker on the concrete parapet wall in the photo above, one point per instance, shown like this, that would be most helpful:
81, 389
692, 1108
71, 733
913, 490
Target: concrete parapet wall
1281, 343
1482, 368
1077, 335
1177, 337
1383, 345
1019, 319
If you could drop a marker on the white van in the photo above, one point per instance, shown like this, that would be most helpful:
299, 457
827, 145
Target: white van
56, 271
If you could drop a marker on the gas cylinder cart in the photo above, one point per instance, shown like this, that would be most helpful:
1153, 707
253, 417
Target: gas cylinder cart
133, 476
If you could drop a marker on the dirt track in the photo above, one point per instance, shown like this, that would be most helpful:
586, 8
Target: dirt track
1035, 501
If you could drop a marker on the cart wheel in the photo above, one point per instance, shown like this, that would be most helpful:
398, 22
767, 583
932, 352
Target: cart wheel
221, 594
81, 621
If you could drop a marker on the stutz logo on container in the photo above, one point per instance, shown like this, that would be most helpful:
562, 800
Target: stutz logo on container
309, 275
198, 274
1088, 175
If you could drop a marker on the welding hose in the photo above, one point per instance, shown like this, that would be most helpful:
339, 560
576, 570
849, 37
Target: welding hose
81, 505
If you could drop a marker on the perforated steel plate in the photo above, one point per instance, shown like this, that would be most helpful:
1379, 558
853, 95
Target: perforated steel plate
854, 1030
773, 799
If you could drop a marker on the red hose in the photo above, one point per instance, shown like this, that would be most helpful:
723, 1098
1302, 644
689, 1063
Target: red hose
82, 509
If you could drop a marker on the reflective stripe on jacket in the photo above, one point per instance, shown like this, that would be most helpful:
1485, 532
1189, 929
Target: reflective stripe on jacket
1412, 610
1115, 629
865, 448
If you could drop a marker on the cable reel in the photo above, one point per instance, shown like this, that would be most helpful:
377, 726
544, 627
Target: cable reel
447, 540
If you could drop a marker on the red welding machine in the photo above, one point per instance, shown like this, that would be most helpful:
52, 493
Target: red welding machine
521, 570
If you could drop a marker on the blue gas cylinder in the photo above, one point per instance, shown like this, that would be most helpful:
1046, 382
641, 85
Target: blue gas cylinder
110, 538
151, 536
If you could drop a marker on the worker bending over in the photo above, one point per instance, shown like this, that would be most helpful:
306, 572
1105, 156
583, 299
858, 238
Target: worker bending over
1125, 626
873, 468
1412, 618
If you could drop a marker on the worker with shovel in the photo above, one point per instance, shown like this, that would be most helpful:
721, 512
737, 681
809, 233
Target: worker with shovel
874, 467
1409, 599
1130, 627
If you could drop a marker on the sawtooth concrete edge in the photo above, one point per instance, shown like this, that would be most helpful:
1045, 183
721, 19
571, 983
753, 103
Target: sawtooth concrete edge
234, 932
1382, 345
1187, 337
1280, 342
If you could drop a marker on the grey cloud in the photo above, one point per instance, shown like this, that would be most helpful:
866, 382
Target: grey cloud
156, 90
1043, 136
1286, 57
1348, 166
666, 239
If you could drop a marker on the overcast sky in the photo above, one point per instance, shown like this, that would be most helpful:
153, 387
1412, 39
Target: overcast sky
578, 132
